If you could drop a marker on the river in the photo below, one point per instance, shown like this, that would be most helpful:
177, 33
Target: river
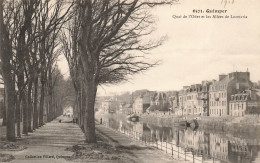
187, 144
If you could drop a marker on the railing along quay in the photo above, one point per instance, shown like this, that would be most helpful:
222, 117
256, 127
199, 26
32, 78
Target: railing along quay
175, 151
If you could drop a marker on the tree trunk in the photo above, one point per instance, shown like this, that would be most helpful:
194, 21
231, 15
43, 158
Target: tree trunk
35, 109
76, 106
4, 109
10, 114
50, 97
82, 109
6, 55
25, 113
30, 107
18, 116
79, 104
89, 117
41, 104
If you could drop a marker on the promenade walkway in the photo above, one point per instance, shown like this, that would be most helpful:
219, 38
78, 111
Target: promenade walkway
143, 153
48, 144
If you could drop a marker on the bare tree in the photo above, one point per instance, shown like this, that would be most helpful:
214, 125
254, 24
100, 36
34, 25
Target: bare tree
29, 29
70, 49
111, 45
6, 56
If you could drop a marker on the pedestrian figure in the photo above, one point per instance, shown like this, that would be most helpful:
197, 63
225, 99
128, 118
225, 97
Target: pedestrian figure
59, 121
101, 120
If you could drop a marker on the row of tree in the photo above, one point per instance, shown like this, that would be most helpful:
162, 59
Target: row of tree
105, 42
29, 32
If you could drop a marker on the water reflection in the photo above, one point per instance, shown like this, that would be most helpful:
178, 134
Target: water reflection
196, 146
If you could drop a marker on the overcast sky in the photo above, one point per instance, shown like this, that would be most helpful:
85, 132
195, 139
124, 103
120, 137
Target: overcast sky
198, 49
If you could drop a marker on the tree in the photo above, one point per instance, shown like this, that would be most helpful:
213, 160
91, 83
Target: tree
111, 46
29, 30
6, 54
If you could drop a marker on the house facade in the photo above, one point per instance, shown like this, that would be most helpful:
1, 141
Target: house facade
220, 91
192, 100
110, 106
141, 103
182, 109
246, 102
173, 99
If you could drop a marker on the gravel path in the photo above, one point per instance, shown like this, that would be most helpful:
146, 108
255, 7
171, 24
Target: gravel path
48, 143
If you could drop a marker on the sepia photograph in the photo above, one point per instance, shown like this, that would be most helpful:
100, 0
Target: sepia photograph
130, 81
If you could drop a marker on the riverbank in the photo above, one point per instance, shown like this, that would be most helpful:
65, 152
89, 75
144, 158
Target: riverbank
245, 127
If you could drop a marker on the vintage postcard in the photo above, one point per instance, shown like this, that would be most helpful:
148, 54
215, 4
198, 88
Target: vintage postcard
130, 81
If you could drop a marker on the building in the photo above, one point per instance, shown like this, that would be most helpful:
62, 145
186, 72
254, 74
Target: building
173, 99
181, 110
245, 102
68, 111
192, 99
141, 103
220, 91
110, 106
125, 108
195, 104
204, 96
